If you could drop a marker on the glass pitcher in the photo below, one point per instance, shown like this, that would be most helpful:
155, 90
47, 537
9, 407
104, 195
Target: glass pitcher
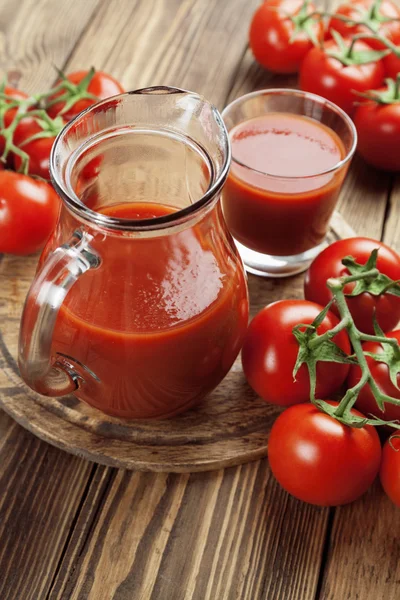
140, 303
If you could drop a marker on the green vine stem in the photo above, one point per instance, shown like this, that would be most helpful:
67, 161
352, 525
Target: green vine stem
35, 107
312, 342
370, 20
7, 133
377, 36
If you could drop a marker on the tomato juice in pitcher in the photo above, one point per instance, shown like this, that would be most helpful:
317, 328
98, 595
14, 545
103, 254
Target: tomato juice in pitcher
140, 303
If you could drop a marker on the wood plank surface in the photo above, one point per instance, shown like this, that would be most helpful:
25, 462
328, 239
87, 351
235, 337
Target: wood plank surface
35, 36
41, 489
104, 534
222, 535
363, 561
189, 44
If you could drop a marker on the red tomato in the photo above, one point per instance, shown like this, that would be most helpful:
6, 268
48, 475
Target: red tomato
28, 213
270, 351
319, 460
37, 150
326, 76
101, 85
360, 10
380, 372
9, 115
329, 264
13, 94
271, 31
378, 129
390, 470
391, 65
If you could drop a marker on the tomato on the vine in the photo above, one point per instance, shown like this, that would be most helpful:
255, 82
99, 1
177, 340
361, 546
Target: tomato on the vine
373, 12
270, 351
328, 72
366, 402
390, 469
378, 129
28, 213
319, 460
280, 34
9, 113
328, 263
101, 86
13, 94
37, 150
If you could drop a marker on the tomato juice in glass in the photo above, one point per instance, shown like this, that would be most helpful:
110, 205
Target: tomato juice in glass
290, 154
140, 303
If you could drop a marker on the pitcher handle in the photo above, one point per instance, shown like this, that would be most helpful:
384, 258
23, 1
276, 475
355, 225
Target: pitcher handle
52, 283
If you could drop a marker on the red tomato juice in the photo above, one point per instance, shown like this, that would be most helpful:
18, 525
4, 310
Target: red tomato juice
279, 197
160, 322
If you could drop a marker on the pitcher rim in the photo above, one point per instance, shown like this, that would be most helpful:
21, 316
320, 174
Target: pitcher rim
72, 201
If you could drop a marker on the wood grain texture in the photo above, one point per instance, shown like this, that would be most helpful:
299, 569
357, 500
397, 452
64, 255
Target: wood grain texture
184, 43
364, 555
231, 426
41, 489
225, 535
34, 36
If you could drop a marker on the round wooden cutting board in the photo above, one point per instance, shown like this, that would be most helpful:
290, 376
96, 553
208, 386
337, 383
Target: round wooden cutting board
230, 427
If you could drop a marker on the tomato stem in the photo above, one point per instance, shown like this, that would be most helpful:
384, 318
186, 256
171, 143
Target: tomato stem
351, 278
328, 335
374, 12
377, 36
356, 337
397, 87
25, 108
365, 337
314, 347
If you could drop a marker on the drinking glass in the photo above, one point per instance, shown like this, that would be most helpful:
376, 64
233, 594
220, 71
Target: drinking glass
280, 222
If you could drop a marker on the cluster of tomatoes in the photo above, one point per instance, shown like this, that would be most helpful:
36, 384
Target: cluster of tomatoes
346, 57
29, 206
315, 457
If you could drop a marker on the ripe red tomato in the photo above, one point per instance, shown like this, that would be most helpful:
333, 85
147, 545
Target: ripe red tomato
37, 150
319, 460
391, 64
359, 10
13, 94
390, 470
101, 85
326, 76
378, 129
270, 351
271, 31
28, 213
366, 402
329, 264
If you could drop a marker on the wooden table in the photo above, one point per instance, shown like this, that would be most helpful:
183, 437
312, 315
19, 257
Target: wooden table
72, 529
